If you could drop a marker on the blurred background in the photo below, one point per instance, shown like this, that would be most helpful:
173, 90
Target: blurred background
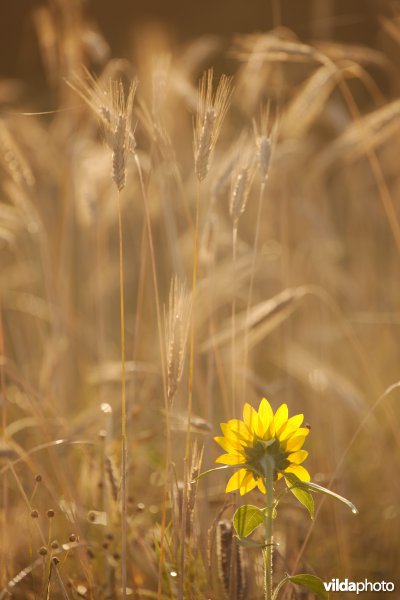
356, 21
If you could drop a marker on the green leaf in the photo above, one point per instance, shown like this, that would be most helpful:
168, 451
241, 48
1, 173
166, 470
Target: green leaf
246, 519
248, 542
302, 496
312, 583
314, 487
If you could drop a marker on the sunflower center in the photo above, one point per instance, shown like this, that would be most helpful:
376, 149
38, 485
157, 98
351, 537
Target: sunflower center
262, 449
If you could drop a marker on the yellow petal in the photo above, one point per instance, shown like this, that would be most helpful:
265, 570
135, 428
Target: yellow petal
261, 486
279, 420
299, 471
238, 430
291, 426
228, 444
235, 442
265, 415
231, 459
294, 443
250, 417
248, 484
235, 481
300, 431
298, 457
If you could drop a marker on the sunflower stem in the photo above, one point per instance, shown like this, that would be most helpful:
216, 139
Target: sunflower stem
268, 550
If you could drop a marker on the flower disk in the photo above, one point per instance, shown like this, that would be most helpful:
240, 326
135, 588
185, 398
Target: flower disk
263, 437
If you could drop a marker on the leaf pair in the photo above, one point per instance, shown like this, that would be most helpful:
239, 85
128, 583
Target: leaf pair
248, 517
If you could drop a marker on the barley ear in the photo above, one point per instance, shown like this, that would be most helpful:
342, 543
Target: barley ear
211, 111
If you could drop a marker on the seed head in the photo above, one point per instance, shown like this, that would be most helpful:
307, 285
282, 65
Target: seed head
265, 134
226, 547
264, 149
176, 331
114, 109
211, 111
239, 193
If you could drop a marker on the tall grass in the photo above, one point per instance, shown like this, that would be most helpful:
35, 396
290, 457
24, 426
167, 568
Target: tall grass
284, 219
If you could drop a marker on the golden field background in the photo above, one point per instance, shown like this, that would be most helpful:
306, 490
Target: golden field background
324, 329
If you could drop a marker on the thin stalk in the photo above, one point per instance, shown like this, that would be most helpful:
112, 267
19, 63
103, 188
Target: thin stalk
233, 565
5, 566
194, 285
190, 395
251, 284
123, 405
233, 333
154, 275
268, 539
26, 500
162, 359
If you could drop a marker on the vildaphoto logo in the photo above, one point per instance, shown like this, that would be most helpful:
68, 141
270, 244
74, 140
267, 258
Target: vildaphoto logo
337, 585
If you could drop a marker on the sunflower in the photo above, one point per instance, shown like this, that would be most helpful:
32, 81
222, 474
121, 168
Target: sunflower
261, 436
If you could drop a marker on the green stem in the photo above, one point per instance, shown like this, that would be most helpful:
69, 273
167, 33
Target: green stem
279, 587
268, 550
